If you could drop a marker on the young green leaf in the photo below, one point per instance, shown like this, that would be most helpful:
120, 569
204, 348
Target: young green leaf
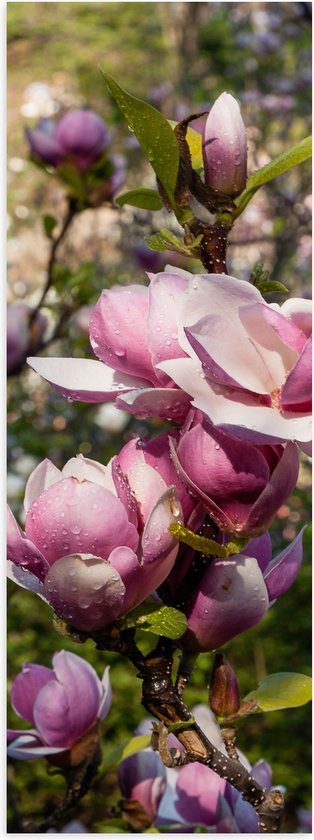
164, 240
287, 160
202, 544
282, 691
144, 198
153, 618
153, 133
139, 742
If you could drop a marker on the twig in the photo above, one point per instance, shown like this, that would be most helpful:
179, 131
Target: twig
71, 212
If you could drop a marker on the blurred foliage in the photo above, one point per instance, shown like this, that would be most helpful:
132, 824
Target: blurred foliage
179, 57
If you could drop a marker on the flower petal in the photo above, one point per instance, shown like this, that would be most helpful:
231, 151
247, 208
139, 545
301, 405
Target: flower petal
297, 389
106, 700
79, 517
84, 379
52, 716
165, 295
278, 488
26, 687
142, 776
82, 687
231, 598
238, 414
43, 476
198, 789
27, 746
118, 330
85, 590
85, 469
156, 402
282, 571
23, 552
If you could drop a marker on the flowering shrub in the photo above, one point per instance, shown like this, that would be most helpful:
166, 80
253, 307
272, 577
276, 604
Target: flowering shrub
171, 536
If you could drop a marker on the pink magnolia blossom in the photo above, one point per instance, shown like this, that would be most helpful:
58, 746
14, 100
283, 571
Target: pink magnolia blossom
225, 147
90, 549
206, 339
240, 484
234, 594
61, 703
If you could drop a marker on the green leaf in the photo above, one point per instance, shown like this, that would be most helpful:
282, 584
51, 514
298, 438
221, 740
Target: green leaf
164, 240
152, 618
143, 198
139, 742
153, 133
202, 544
266, 287
282, 691
287, 160
260, 279
49, 223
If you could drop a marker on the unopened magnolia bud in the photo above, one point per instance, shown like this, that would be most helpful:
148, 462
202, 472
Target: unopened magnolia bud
225, 147
224, 692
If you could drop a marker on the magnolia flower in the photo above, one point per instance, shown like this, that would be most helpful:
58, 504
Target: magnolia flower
90, 548
240, 484
79, 135
225, 147
234, 594
62, 704
193, 795
206, 339
23, 335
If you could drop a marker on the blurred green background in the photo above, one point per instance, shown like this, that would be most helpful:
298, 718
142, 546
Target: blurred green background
178, 56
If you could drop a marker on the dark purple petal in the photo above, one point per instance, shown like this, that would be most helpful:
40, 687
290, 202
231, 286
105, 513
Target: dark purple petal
282, 571
277, 490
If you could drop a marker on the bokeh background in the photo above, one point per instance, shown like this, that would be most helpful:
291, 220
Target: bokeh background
179, 57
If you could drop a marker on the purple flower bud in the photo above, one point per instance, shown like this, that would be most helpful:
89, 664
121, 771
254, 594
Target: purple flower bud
93, 548
22, 336
224, 693
80, 135
62, 704
225, 147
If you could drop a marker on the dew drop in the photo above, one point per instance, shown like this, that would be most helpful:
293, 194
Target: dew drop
75, 529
